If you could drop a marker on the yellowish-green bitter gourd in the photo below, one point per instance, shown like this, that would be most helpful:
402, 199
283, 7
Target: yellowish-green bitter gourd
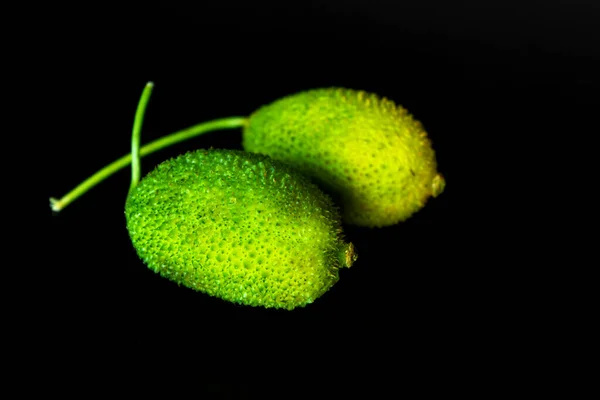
364, 149
238, 226
368, 151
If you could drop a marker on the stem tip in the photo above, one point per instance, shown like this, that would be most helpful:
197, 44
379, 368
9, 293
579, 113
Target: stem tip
55, 204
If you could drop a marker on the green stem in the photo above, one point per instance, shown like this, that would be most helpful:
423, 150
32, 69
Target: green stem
158, 144
136, 134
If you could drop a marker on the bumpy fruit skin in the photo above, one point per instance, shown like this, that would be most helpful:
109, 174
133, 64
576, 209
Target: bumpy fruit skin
238, 226
361, 148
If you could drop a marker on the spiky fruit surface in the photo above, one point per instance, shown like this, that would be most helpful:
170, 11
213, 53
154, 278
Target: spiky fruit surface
361, 147
238, 226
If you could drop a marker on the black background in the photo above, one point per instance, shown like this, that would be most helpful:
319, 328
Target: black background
483, 77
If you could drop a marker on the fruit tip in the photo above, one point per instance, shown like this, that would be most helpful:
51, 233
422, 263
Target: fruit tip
349, 255
438, 185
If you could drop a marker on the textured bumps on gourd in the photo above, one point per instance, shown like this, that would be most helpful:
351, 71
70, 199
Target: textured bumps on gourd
364, 149
238, 226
